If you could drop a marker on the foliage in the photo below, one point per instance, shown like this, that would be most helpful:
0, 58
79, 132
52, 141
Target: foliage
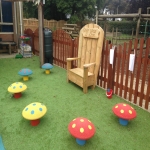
126, 6
77, 9
123, 26
135, 4
73, 19
51, 11
30, 10
59, 9
116, 6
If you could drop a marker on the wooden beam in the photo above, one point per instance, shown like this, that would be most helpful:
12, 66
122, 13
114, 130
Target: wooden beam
119, 16
41, 41
6, 23
145, 15
138, 22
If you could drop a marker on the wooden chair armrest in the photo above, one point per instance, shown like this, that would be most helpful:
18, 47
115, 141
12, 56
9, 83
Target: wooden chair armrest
88, 65
71, 59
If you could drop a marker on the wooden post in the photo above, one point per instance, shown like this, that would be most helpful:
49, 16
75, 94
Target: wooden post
112, 35
17, 21
105, 29
116, 35
21, 17
96, 16
138, 22
14, 22
41, 41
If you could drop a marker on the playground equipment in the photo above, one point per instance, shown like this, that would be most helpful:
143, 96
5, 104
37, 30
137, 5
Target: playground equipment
139, 16
146, 26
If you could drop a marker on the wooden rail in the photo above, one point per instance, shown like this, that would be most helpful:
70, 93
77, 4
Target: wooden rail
72, 29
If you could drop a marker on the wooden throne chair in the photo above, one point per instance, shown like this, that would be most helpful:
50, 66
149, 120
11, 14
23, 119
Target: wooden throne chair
89, 57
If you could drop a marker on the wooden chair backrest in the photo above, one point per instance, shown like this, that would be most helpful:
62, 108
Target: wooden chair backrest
90, 46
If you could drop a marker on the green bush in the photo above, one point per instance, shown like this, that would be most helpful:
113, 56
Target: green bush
123, 26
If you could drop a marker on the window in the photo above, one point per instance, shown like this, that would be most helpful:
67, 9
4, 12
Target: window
6, 16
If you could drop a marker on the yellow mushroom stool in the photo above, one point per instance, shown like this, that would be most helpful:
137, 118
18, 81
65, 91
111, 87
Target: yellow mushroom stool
34, 112
16, 88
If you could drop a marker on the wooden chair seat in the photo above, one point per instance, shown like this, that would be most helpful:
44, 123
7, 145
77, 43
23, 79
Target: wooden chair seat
80, 72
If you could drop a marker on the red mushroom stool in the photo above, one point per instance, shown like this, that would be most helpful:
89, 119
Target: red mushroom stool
125, 112
82, 129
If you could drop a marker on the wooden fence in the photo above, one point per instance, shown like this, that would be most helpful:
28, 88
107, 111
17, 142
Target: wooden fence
32, 23
134, 87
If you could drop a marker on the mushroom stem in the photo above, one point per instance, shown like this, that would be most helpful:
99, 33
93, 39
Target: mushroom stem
17, 95
35, 122
47, 71
123, 122
80, 142
25, 78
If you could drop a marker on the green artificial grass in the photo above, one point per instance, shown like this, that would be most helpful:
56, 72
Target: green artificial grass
64, 101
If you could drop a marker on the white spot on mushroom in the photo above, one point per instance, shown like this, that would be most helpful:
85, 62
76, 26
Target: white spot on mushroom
81, 120
130, 111
122, 111
124, 105
74, 125
81, 130
89, 126
116, 106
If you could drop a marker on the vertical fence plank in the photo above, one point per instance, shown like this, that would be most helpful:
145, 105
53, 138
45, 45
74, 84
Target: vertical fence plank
54, 47
127, 69
133, 73
110, 70
139, 57
101, 71
144, 71
148, 90
122, 68
106, 65
118, 68
114, 70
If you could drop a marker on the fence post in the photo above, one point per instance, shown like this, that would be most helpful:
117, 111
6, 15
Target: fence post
33, 43
138, 22
116, 35
96, 16
41, 39
72, 51
111, 72
112, 35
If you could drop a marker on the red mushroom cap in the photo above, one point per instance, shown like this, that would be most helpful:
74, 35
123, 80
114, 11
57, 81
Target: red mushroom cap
124, 111
81, 128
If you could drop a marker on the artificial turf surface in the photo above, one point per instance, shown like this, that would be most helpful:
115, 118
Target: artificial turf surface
64, 102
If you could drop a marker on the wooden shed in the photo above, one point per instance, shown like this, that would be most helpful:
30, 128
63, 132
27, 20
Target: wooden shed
17, 23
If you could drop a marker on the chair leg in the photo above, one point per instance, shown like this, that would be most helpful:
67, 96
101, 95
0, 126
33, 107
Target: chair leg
85, 89
93, 86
